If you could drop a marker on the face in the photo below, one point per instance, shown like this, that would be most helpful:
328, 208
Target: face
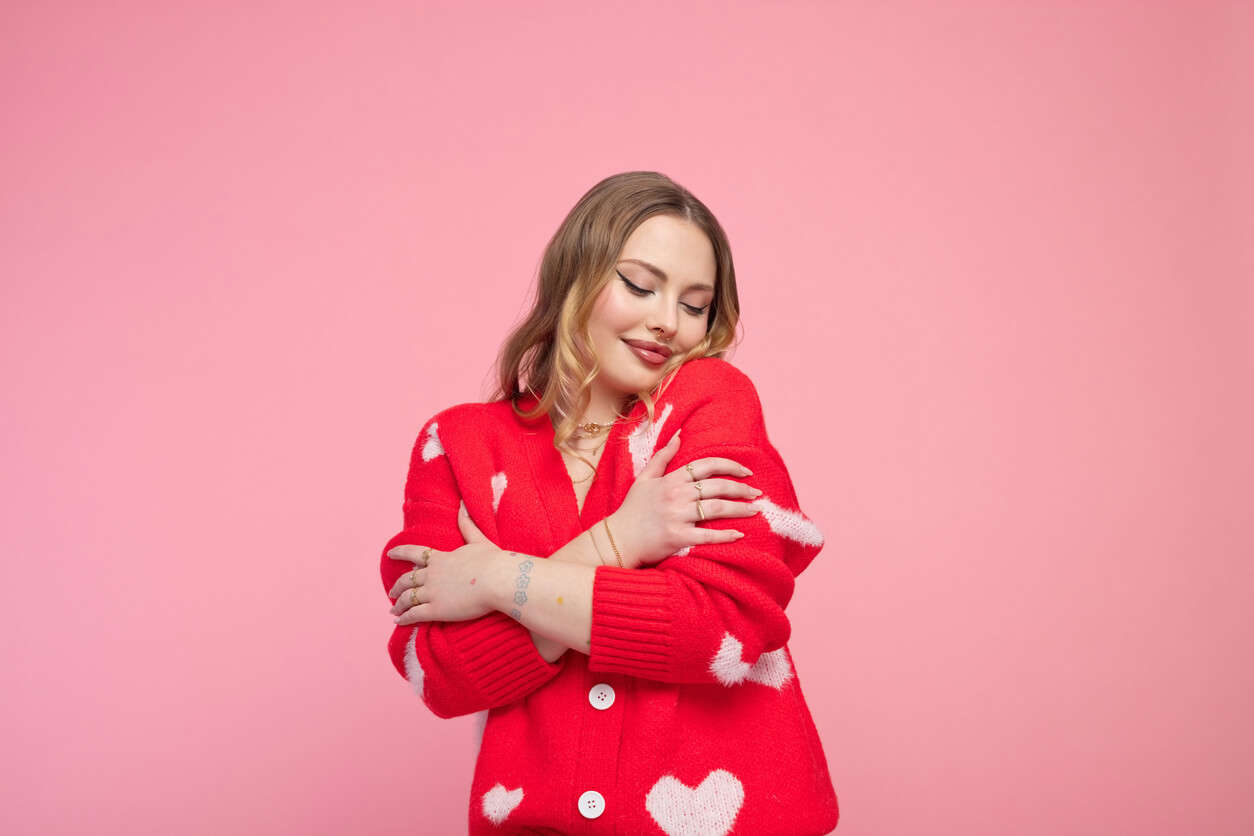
660, 291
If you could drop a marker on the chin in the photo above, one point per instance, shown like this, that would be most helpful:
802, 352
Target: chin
630, 384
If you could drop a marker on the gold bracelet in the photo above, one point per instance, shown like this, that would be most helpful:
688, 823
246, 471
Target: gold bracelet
606, 522
600, 557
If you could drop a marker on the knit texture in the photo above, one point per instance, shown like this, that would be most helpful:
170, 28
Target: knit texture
687, 716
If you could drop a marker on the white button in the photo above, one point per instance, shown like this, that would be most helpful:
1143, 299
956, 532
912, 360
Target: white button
601, 696
591, 804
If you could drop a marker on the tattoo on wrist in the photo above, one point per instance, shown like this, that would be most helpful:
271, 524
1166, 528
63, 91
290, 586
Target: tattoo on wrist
520, 586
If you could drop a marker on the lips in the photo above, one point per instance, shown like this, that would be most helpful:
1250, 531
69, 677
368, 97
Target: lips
655, 348
645, 351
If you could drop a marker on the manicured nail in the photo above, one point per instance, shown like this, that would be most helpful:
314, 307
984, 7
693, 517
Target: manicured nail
740, 534
756, 492
744, 471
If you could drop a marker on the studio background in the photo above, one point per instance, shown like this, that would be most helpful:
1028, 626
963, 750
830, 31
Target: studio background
994, 266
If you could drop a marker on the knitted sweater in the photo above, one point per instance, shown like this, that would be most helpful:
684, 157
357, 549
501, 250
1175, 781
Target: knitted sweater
686, 718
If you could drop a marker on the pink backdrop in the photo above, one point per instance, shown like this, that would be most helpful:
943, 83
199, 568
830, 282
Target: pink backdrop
996, 302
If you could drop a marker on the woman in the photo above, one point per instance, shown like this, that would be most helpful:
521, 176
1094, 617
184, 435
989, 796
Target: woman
609, 590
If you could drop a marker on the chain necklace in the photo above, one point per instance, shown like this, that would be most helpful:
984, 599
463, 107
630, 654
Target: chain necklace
593, 428
589, 429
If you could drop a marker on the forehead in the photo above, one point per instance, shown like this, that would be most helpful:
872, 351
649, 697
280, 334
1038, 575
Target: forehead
679, 248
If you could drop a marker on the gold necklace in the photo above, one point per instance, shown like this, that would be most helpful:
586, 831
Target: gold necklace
594, 451
593, 428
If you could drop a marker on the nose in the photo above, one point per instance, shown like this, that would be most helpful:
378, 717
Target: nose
663, 321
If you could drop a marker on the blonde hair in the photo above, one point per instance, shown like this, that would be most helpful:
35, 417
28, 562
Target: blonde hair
552, 348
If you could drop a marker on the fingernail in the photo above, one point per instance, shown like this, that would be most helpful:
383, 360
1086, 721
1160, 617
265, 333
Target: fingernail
744, 471
740, 534
757, 492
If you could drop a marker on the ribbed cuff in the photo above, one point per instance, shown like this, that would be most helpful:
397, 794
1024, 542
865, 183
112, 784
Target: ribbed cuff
632, 617
500, 658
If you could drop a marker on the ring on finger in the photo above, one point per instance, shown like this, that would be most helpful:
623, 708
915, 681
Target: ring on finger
426, 555
413, 577
700, 512
698, 487
691, 472
413, 596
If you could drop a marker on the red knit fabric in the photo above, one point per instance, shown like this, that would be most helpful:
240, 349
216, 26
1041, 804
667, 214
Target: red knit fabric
687, 717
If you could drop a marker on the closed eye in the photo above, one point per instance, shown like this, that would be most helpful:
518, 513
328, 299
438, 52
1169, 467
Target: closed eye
640, 291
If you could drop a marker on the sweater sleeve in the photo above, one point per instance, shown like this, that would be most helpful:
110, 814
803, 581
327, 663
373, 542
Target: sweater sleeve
713, 613
456, 667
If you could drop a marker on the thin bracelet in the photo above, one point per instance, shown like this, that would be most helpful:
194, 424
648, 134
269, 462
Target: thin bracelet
600, 556
606, 522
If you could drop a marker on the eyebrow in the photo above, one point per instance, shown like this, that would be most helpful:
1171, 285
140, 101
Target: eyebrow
657, 271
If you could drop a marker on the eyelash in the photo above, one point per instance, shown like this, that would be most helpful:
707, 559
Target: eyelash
640, 291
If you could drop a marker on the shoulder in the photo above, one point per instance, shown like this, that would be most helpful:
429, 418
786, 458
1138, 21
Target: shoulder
711, 391
712, 372
714, 380
467, 414
454, 422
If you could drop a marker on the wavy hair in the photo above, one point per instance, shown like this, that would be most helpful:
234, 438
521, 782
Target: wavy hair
552, 348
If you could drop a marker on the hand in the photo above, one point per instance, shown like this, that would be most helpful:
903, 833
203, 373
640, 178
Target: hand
451, 586
659, 515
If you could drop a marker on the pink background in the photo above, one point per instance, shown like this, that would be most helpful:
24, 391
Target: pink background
997, 303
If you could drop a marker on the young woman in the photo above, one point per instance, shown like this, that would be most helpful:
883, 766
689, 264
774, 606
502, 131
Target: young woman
598, 559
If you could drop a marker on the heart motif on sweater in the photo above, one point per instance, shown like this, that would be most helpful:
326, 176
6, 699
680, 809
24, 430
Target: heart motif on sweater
499, 802
708, 810
791, 524
499, 481
413, 668
643, 439
432, 447
730, 668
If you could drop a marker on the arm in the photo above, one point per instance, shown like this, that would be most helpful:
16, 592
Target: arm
709, 615
586, 551
552, 597
455, 667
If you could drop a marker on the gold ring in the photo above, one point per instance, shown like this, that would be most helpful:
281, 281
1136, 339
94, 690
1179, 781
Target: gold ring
413, 578
699, 496
699, 511
426, 555
414, 602
690, 471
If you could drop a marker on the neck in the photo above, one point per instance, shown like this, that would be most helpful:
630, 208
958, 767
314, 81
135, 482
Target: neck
602, 406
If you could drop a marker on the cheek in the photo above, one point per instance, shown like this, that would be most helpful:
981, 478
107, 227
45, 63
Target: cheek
612, 313
692, 331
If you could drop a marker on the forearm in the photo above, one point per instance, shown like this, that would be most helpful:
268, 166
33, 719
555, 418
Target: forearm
552, 598
591, 548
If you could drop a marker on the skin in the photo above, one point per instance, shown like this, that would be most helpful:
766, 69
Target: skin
553, 596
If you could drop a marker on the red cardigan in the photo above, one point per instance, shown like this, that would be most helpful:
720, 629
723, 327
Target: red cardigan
687, 716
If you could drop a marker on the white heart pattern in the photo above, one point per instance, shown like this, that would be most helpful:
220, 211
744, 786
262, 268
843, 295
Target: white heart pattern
499, 802
498, 487
644, 438
791, 524
708, 810
432, 447
730, 669
413, 670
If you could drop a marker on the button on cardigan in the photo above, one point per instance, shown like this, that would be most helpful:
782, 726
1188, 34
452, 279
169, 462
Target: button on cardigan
686, 717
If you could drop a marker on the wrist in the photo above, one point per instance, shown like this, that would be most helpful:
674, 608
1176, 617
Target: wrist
614, 536
510, 575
